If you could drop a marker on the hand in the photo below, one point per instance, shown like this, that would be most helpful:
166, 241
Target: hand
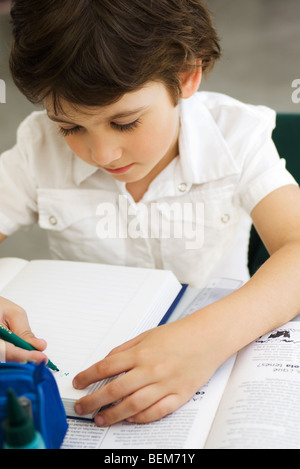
14, 318
163, 367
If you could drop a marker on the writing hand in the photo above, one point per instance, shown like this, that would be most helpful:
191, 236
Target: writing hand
14, 318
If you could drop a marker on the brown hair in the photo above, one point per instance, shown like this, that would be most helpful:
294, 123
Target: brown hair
91, 52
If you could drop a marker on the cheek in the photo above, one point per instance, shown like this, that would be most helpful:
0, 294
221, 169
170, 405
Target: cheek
157, 139
78, 147
163, 134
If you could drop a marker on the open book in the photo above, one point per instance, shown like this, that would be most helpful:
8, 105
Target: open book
252, 402
84, 310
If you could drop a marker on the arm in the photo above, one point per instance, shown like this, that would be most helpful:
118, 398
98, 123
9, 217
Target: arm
167, 365
15, 319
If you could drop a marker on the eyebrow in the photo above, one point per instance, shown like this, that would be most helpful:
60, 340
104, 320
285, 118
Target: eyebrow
57, 119
111, 118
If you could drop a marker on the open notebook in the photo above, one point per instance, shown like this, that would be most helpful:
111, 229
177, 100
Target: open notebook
83, 310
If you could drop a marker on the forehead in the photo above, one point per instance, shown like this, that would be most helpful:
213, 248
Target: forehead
129, 104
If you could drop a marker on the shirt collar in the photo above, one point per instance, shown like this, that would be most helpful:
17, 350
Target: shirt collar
82, 170
204, 153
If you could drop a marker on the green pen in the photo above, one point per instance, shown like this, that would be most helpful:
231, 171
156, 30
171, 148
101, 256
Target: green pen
9, 336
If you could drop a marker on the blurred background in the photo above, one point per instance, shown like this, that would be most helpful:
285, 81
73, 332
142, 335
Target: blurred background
261, 58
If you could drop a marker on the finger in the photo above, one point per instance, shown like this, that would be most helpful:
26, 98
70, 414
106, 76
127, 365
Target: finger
39, 344
18, 323
26, 334
157, 411
144, 406
108, 367
15, 354
117, 389
130, 406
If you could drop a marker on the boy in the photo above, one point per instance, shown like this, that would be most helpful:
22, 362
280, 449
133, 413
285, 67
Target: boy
118, 79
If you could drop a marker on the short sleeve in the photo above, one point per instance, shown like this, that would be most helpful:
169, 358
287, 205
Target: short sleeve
263, 170
18, 206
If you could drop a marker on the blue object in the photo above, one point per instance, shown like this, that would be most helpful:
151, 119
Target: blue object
174, 304
36, 383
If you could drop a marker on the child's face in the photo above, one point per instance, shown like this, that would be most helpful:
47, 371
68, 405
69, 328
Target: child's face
135, 137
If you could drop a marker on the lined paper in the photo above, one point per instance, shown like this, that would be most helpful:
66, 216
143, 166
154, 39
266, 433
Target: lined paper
83, 310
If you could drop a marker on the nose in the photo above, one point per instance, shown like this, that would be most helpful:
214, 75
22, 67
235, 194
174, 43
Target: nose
104, 151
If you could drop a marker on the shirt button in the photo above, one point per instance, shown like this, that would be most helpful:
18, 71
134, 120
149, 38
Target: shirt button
225, 218
182, 187
53, 220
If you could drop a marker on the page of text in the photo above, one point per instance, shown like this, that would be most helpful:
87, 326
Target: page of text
261, 405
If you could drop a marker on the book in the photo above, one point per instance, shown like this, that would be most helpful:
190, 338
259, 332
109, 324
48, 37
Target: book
252, 402
84, 310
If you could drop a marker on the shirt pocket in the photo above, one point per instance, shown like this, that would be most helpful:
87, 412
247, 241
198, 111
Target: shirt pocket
59, 209
209, 233
220, 211
70, 218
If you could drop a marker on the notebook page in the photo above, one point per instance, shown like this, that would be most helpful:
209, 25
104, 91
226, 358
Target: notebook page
9, 267
76, 306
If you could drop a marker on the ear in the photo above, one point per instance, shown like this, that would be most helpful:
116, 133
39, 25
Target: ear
190, 81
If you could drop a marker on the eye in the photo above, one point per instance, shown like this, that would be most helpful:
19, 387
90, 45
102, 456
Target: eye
126, 127
67, 132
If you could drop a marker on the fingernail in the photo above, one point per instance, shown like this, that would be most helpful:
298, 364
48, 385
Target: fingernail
75, 385
130, 420
78, 409
99, 420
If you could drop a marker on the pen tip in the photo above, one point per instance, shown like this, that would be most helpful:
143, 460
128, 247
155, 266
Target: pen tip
52, 366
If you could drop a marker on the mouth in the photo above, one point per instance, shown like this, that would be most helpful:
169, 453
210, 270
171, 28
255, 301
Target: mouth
124, 169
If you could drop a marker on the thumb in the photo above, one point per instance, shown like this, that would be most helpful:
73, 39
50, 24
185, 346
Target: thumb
28, 336
17, 321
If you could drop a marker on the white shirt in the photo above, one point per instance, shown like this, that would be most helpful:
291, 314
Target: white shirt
194, 218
